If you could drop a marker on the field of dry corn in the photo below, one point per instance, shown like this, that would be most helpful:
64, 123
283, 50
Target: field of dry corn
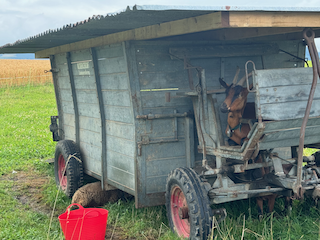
16, 72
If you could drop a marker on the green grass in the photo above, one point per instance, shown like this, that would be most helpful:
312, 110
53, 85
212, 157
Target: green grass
25, 144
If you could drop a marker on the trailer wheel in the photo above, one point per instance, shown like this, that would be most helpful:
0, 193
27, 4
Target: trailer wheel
69, 177
187, 203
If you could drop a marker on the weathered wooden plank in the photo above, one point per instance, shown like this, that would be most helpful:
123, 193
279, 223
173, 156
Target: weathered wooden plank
121, 145
90, 123
164, 150
158, 129
85, 82
89, 110
239, 19
283, 77
112, 65
121, 130
156, 184
67, 107
92, 165
90, 137
271, 126
162, 167
224, 51
167, 110
69, 132
151, 99
87, 96
122, 177
64, 83
60, 59
92, 151
110, 51
65, 95
289, 110
117, 98
120, 161
69, 119
119, 114
294, 93
117, 81
290, 133
83, 55
164, 80
288, 142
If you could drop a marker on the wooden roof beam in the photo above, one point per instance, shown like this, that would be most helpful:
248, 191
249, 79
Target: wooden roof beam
184, 26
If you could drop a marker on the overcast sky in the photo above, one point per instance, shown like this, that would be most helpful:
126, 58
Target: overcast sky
20, 19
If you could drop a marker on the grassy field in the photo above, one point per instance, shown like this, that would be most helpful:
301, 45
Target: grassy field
28, 191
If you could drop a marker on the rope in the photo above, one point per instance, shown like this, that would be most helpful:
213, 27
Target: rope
55, 202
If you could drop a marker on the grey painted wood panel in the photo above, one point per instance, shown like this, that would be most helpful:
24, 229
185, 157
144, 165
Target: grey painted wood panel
114, 81
69, 119
289, 110
87, 96
64, 83
292, 94
120, 161
152, 99
60, 59
121, 130
164, 150
66, 95
110, 51
90, 137
85, 82
69, 132
119, 114
121, 146
162, 167
112, 65
287, 124
81, 56
288, 142
92, 165
116, 98
88, 110
67, 107
156, 184
122, 177
284, 77
89, 123
91, 151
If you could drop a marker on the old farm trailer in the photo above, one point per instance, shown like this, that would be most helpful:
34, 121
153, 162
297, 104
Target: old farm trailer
138, 98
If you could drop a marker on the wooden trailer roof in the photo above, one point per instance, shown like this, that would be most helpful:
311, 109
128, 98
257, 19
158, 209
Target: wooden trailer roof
225, 24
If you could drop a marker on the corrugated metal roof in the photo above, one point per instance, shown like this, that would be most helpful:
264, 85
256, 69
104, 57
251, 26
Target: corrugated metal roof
130, 18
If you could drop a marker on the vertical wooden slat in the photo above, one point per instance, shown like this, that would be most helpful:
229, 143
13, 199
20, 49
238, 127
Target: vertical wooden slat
74, 98
103, 119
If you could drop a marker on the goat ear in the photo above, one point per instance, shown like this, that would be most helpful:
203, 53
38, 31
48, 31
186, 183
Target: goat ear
223, 83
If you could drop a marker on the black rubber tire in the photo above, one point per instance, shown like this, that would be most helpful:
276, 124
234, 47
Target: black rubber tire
198, 204
73, 177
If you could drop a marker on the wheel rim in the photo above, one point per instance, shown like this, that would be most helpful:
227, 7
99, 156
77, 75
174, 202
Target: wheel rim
62, 172
179, 212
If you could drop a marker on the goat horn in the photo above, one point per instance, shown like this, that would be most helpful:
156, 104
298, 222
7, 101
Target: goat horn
243, 79
235, 79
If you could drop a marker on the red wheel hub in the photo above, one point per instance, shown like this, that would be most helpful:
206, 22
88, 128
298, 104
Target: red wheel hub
62, 173
179, 212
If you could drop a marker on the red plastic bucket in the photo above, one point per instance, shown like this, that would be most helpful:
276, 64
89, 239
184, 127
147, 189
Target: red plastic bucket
84, 223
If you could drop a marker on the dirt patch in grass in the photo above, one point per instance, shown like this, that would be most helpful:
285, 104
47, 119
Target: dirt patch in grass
27, 189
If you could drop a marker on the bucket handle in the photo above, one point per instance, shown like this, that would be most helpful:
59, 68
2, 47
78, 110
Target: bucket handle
73, 204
